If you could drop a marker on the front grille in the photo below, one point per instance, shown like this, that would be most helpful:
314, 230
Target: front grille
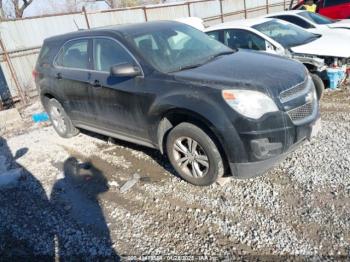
301, 112
305, 112
293, 92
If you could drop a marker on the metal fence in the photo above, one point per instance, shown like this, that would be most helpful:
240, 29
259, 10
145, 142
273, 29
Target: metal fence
20, 39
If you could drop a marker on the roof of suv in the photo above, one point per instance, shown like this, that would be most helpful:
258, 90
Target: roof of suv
126, 29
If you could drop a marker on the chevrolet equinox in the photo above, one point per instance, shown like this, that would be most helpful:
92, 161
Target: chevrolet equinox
166, 85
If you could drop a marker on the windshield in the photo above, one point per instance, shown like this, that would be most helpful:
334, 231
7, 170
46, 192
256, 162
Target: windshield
177, 48
285, 33
316, 18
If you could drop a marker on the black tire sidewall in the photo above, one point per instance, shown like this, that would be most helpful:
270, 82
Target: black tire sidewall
216, 167
319, 85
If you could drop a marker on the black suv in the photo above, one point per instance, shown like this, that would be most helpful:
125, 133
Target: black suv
169, 86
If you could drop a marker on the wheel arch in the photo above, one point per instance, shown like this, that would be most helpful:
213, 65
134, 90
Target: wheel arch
176, 116
49, 95
310, 67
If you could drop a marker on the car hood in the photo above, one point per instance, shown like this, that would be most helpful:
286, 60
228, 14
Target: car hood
332, 44
345, 23
245, 69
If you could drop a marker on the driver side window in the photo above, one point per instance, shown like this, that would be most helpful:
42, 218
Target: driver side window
236, 38
108, 53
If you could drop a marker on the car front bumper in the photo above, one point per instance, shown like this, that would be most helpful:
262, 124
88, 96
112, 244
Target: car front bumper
255, 168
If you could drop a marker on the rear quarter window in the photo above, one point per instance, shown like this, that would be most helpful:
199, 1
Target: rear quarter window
44, 52
44, 55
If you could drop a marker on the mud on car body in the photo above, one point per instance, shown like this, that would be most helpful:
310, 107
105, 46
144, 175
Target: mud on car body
166, 85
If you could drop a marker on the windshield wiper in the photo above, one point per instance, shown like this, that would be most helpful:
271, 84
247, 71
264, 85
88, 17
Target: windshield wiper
224, 53
211, 58
205, 62
181, 68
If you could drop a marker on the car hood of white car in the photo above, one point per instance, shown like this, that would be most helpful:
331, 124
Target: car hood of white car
330, 44
340, 24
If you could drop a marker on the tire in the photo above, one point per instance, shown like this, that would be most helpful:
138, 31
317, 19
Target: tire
59, 119
319, 85
200, 164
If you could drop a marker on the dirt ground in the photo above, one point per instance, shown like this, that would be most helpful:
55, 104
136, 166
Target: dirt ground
68, 204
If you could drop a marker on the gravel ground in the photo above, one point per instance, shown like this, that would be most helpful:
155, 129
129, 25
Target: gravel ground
68, 203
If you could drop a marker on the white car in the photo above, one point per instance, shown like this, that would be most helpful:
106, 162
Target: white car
315, 51
195, 22
313, 22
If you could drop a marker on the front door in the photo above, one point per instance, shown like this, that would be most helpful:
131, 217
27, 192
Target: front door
116, 100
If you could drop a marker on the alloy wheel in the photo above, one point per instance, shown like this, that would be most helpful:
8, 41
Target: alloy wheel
190, 157
58, 119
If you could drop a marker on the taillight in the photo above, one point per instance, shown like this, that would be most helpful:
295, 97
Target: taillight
35, 74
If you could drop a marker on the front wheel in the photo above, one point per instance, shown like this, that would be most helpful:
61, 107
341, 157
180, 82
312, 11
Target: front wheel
194, 155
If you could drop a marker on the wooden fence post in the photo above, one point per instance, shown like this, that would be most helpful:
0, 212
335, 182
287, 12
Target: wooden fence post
267, 7
189, 9
145, 13
221, 11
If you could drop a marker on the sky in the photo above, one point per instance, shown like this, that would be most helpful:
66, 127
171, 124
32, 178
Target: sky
42, 7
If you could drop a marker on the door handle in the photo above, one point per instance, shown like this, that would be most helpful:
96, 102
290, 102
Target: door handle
59, 76
95, 83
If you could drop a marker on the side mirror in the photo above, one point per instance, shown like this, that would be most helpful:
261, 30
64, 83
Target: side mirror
125, 70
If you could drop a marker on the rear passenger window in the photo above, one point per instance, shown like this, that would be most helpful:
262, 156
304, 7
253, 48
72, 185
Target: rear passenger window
108, 53
237, 38
74, 55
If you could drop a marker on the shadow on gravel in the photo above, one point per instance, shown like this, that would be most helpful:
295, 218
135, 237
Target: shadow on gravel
25, 228
155, 154
68, 227
76, 195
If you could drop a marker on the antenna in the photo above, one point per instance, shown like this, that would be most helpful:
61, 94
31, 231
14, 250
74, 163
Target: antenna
75, 22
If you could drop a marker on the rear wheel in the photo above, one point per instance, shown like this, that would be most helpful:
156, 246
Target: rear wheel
194, 155
59, 119
319, 85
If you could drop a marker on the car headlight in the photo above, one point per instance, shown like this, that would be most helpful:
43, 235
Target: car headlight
252, 104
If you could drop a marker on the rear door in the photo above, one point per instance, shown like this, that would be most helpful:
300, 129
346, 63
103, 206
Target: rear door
336, 9
116, 100
71, 72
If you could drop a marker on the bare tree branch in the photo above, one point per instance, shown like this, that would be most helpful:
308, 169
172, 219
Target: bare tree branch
109, 3
19, 10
